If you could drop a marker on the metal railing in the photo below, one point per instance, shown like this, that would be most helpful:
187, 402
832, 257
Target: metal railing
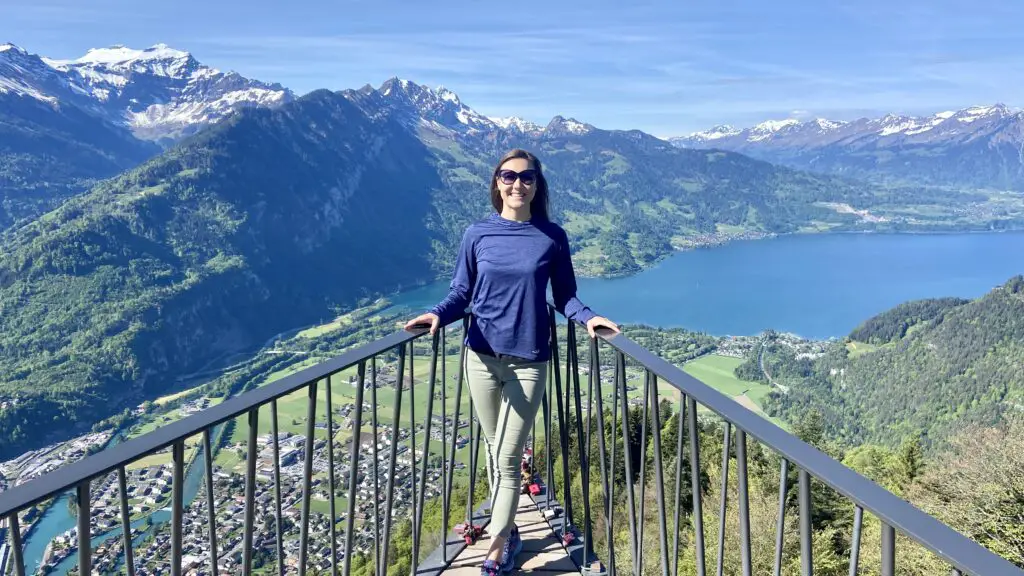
371, 489
964, 555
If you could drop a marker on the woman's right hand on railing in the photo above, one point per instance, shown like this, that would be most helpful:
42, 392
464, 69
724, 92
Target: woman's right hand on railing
427, 318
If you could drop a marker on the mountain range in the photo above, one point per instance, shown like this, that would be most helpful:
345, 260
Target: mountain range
277, 215
976, 147
158, 93
65, 124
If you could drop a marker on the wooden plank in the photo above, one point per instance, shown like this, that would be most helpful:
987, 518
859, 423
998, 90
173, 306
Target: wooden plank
542, 551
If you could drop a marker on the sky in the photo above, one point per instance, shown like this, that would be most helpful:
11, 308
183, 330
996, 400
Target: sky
667, 68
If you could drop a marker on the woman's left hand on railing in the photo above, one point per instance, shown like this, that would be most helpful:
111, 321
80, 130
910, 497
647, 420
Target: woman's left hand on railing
600, 322
427, 318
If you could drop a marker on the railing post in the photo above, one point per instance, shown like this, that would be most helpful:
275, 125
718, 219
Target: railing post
627, 456
781, 522
431, 383
16, 549
595, 376
659, 482
177, 500
449, 483
376, 467
126, 527
888, 550
307, 478
412, 449
698, 513
583, 447
353, 471
84, 528
639, 552
396, 417
563, 426
250, 490
858, 518
445, 471
278, 530
549, 452
679, 479
723, 497
332, 487
806, 557
741, 473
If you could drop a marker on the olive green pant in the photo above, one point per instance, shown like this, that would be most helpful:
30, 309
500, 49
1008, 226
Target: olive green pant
506, 392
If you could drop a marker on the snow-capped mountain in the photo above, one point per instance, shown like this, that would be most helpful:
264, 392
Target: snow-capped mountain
158, 92
889, 129
440, 105
516, 124
566, 126
976, 146
442, 111
26, 74
68, 123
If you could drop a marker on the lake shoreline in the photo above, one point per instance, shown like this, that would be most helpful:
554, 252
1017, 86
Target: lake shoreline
721, 240
969, 254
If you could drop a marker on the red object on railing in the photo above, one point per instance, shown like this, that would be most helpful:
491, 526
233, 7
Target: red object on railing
469, 532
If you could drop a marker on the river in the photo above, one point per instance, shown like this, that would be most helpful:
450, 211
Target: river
58, 519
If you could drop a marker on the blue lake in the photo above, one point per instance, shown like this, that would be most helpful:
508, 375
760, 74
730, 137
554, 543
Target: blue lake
816, 286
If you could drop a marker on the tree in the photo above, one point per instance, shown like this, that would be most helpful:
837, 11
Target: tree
911, 458
811, 429
977, 486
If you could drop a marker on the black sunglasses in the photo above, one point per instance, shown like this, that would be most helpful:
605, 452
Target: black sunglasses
526, 176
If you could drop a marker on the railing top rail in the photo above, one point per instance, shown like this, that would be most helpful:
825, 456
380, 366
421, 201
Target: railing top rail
960, 551
70, 475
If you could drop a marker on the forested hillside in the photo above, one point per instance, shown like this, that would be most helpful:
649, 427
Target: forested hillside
923, 368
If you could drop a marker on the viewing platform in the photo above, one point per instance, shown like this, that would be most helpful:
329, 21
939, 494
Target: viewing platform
399, 469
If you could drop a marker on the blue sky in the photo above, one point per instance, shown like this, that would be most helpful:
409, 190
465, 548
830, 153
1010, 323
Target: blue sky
666, 68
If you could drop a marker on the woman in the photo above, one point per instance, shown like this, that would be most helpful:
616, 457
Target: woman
504, 265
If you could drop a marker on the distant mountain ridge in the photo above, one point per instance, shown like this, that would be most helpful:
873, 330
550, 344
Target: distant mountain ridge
442, 110
159, 93
65, 124
942, 125
978, 146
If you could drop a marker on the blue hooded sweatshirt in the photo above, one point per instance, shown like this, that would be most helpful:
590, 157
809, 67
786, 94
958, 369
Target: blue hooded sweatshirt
502, 275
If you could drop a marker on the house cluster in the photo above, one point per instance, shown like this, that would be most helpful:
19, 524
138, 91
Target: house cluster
741, 346
149, 491
737, 346
193, 406
38, 462
229, 501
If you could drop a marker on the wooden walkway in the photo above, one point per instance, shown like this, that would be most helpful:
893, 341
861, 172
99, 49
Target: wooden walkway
543, 552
